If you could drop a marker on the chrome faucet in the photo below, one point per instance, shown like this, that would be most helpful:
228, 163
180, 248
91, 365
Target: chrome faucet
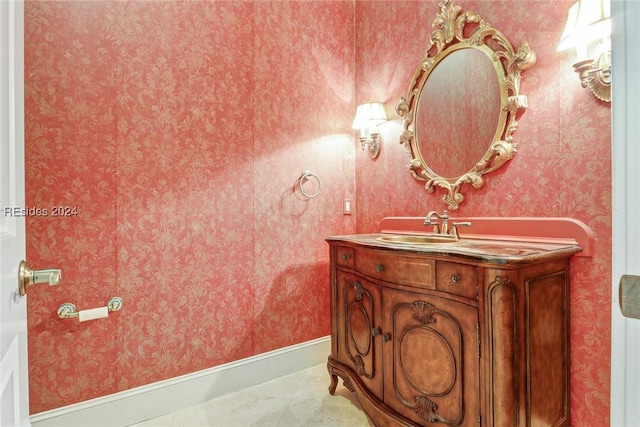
442, 228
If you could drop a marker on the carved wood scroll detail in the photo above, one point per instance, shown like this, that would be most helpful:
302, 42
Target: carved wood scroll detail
426, 409
359, 365
347, 383
423, 312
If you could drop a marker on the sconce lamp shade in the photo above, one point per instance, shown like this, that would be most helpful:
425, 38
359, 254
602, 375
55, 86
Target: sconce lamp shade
369, 114
588, 20
589, 27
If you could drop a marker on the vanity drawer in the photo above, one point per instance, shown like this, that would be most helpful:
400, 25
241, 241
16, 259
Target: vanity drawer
458, 279
345, 256
401, 269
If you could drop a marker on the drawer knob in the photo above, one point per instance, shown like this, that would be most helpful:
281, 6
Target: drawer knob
345, 256
386, 337
455, 279
380, 268
376, 331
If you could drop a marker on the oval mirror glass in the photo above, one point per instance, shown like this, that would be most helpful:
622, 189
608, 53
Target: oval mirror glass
456, 119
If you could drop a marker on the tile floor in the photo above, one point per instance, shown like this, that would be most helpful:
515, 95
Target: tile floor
299, 399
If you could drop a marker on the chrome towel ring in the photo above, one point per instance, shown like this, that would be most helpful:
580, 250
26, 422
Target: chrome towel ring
306, 176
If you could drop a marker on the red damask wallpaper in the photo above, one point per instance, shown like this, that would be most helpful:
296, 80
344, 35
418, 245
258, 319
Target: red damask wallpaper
178, 130
562, 167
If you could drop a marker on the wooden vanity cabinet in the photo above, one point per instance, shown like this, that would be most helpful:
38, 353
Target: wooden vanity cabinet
429, 339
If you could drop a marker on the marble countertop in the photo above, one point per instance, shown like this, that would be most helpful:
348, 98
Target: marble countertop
498, 252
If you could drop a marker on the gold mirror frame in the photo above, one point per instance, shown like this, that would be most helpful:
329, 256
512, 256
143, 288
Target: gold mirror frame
451, 34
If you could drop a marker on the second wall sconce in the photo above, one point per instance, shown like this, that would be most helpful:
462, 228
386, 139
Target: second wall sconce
368, 117
588, 30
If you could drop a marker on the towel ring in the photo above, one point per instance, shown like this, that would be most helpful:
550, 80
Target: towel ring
307, 175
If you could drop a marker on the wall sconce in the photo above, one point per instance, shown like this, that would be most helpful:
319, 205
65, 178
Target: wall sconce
588, 29
368, 117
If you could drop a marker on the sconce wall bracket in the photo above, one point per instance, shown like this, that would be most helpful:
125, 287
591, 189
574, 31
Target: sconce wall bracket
596, 76
372, 142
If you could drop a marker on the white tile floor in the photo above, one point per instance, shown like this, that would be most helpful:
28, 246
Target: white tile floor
299, 399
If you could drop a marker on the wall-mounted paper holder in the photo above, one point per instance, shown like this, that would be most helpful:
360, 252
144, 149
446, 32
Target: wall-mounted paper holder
68, 310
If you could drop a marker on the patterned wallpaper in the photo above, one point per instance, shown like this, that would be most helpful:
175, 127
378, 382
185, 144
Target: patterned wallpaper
178, 131
562, 167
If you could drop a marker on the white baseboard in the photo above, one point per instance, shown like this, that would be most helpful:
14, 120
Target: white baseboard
150, 401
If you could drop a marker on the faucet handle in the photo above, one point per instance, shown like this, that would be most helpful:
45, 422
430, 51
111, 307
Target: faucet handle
455, 225
463, 224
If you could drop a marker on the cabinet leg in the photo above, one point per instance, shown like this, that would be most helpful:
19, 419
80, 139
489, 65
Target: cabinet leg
334, 380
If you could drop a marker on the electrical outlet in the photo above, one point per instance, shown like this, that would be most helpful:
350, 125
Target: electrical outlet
347, 207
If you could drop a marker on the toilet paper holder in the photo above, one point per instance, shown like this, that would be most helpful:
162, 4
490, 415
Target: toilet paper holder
69, 310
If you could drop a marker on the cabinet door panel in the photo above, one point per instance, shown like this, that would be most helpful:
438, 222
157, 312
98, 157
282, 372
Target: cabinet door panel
431, 359
359, 344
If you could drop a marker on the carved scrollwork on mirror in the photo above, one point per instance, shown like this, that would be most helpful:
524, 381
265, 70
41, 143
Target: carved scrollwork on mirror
463, 103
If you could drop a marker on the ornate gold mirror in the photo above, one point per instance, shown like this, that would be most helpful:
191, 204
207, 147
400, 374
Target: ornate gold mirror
463, 103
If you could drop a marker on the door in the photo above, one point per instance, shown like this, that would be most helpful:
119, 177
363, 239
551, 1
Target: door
13, 308
625, 332
431, 361
359, 329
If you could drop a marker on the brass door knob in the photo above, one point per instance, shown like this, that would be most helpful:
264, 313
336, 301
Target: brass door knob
26, 277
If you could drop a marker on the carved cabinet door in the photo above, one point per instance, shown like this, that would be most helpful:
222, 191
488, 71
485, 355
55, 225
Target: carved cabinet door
359, 328
431, 359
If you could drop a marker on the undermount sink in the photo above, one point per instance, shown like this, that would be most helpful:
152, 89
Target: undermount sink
418, 239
